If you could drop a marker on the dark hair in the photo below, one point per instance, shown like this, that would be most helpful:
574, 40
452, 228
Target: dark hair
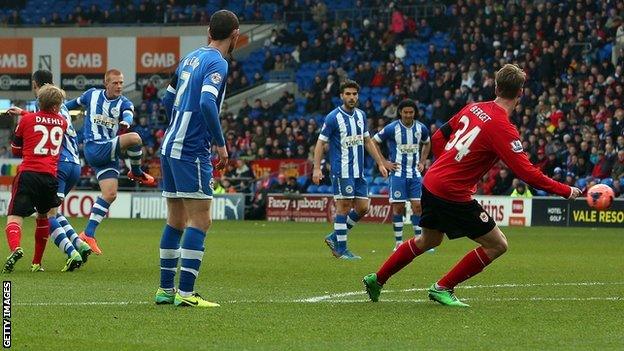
42, 77
407, 103
349, 84
222, 24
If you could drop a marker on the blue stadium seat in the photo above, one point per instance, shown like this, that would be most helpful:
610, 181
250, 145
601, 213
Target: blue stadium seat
312, 189
325, 189
374, 190
608, 182
302, 181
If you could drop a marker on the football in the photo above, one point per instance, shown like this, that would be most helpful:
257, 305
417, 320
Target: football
600, 197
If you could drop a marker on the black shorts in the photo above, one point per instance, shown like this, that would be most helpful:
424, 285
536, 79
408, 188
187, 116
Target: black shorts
456, 219
33, 191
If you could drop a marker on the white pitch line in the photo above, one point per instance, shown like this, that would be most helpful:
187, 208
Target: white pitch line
509, 285
336, 298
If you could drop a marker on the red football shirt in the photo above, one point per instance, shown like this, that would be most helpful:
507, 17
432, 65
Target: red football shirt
481, 135
38, 138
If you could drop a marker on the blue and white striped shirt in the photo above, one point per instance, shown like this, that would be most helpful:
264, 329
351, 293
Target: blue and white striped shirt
197, 91
345, 133
102, 116
69, 150
404, 146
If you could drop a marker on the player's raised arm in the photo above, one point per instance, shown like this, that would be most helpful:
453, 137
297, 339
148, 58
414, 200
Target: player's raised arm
79, 101
127, 115
507, 145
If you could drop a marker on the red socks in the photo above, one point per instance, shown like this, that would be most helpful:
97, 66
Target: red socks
41, 239
403, 255
14, 235
469, 266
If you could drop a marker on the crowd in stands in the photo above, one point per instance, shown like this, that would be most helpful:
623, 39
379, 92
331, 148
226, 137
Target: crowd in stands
571, 117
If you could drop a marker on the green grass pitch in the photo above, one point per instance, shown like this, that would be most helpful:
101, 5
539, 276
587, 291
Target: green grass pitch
280, 289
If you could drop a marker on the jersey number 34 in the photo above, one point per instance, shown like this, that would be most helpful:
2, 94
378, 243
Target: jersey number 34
462, 140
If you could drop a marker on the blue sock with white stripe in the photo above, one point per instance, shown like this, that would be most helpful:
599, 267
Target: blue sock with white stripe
192, 254
397, 225
169, 254
352, 219
69, 230
135, 153
60, 239
340, 229
98, 212
415, 221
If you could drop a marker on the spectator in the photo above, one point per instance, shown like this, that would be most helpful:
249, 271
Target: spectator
521, 190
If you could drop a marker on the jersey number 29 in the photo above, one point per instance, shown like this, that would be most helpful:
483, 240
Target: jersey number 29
55, 136
462, 141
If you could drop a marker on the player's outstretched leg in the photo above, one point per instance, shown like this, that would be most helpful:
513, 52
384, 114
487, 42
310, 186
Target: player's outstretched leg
470, 265
192, 253
136, 173
397, 226
13, 232
352, 219
83, 248
169, 255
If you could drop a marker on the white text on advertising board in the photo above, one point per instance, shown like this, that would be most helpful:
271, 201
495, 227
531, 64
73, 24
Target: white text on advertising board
74, 60
154, 59
13, 61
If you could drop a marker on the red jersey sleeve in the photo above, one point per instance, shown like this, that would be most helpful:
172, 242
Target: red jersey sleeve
506, 144
18, 138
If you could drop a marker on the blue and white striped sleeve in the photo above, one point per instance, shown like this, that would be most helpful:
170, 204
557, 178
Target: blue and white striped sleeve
425, 134
127, 112
328, 128
382, 135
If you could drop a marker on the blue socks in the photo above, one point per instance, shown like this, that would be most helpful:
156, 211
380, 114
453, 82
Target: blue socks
98, 212
192, 253
169, 254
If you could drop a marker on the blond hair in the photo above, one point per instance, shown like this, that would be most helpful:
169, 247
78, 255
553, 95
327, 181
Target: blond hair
50, 97
111, 72
509, 81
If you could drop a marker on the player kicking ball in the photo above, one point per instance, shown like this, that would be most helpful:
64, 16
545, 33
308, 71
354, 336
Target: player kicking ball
107, 112
475, 139
38, 139
347, 134
404, 138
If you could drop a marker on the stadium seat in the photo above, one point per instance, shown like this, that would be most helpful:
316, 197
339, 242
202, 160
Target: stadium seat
384, 190
324, 189
302, 181
374, 190
608, 182
312, 189
581, 183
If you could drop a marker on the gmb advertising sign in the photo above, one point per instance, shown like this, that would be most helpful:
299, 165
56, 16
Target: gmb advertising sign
15, 63
153, 206
83, 63
156, 59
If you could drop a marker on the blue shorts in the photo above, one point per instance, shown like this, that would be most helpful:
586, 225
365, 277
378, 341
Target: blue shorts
68, 176
404, 189
103, 157
349, 188
186, 179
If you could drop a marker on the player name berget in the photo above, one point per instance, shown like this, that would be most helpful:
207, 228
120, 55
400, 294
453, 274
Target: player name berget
480, 114
48, 120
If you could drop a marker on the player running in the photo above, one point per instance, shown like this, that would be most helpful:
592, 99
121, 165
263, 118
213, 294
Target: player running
107, 113
192, 104
38, 139
68, 174
347, 134
476, 138
404, 137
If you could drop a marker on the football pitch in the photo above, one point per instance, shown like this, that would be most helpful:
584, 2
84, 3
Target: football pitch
280, 289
